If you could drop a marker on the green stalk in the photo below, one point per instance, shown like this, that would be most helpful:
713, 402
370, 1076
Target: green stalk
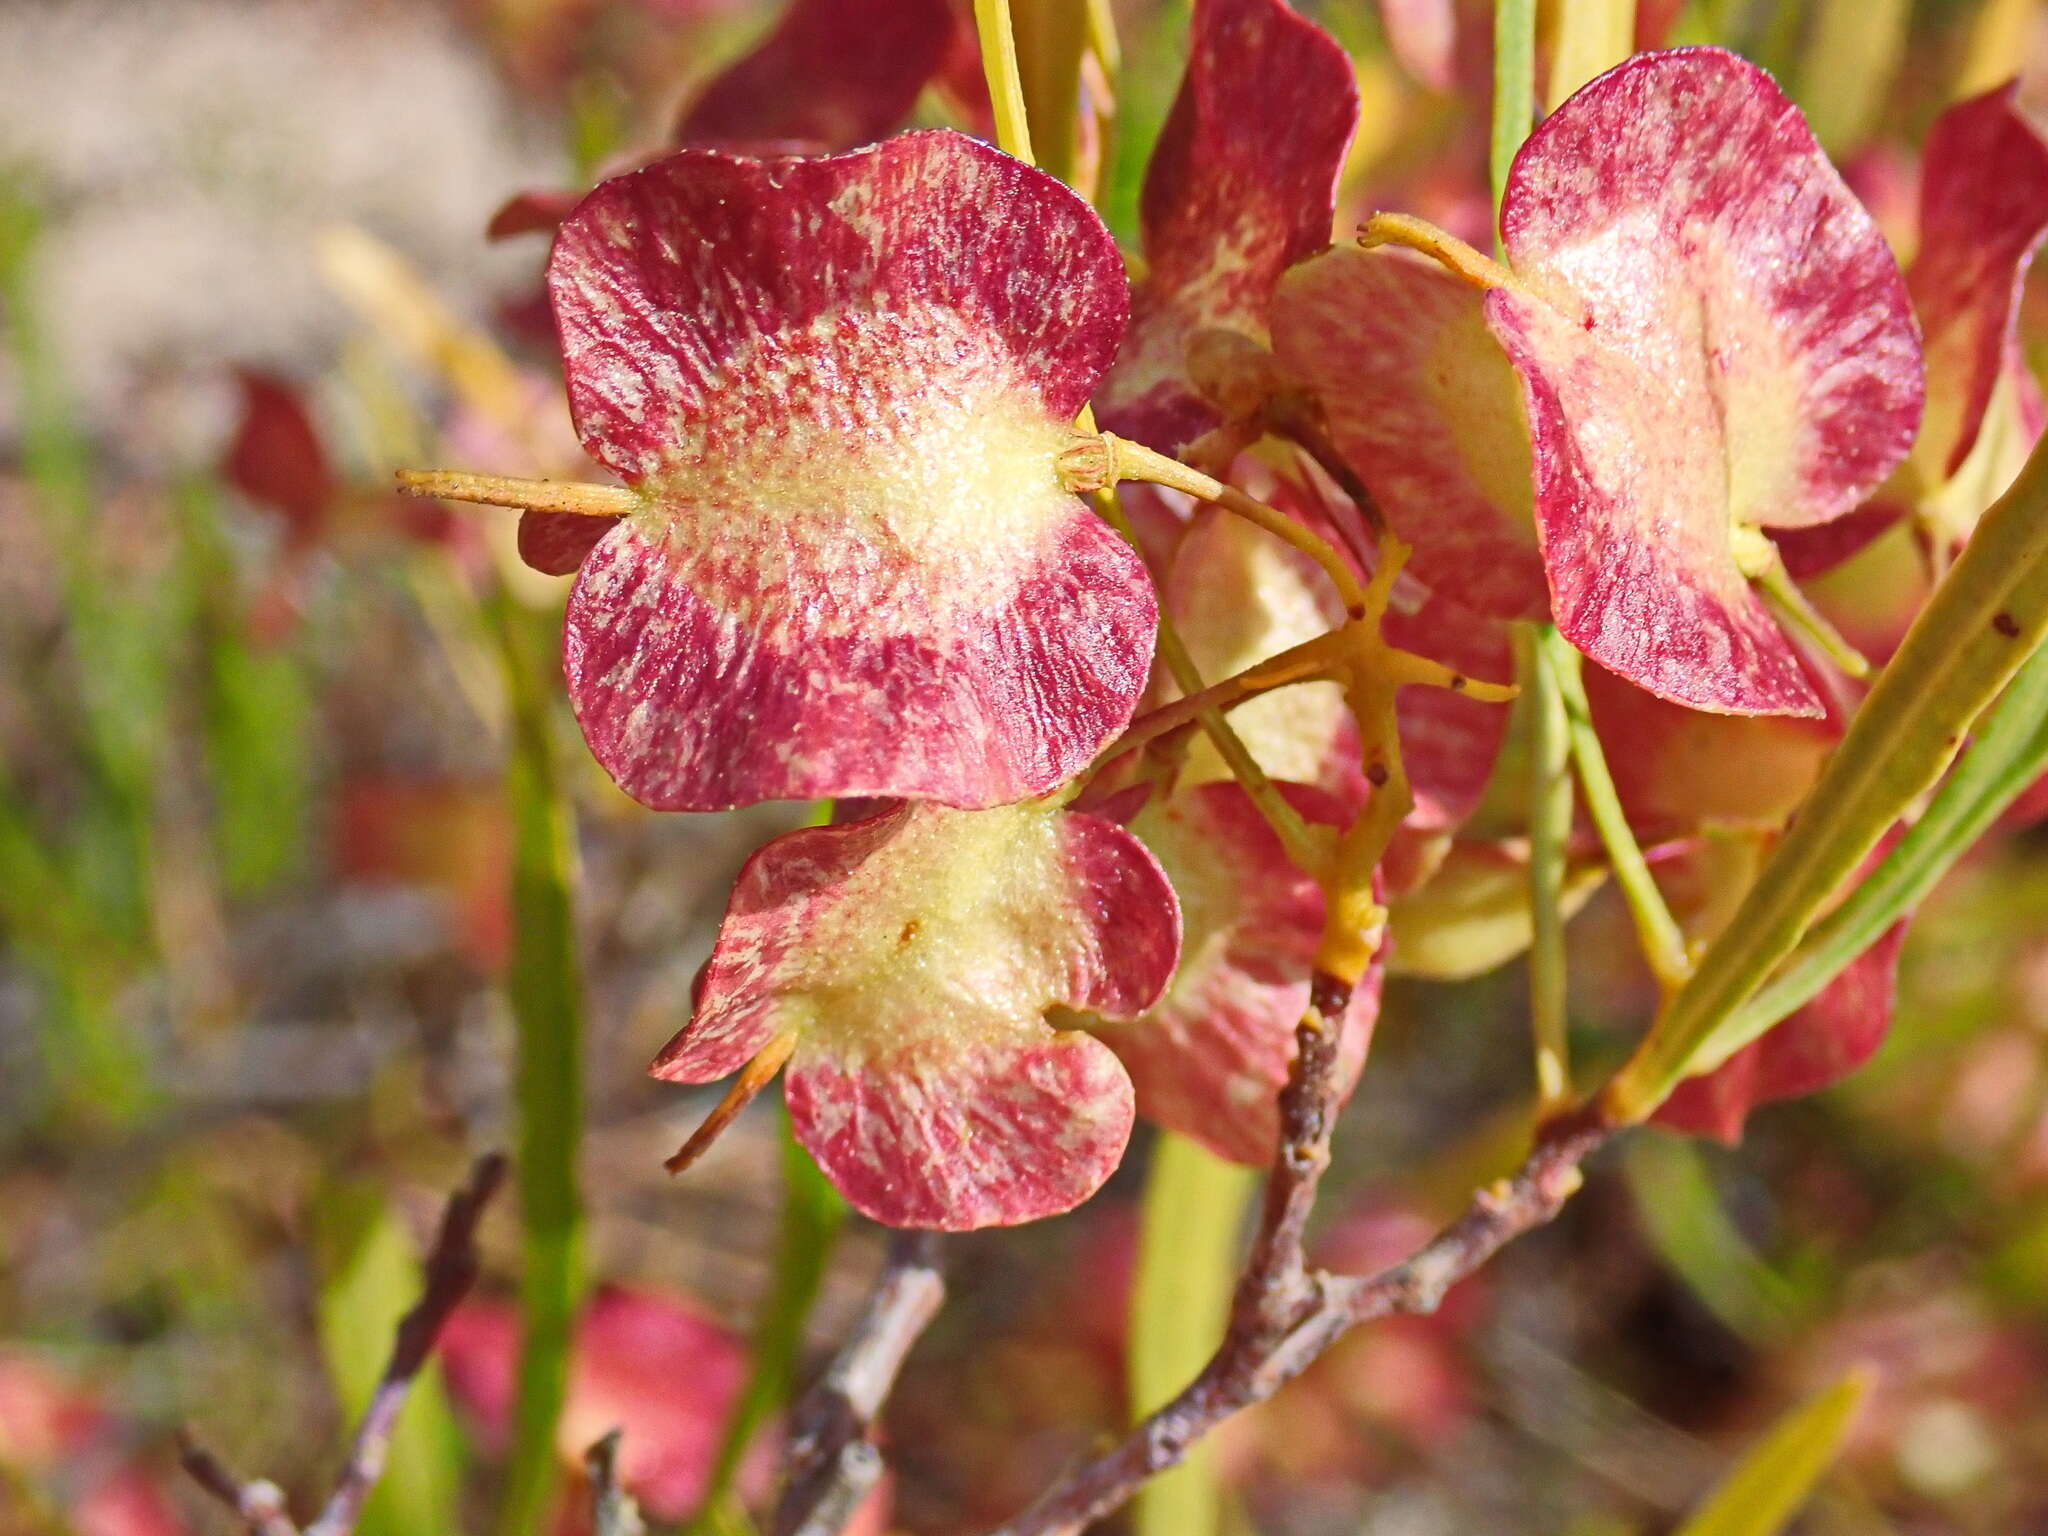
76, 901
1514, 86
1853, 51
546, 993
1680, 1212
1190, 1231
812, 1214
1550, 824
1984, 620
1005, 87
2007, 756
1053, 37
1592, 37
370, 1276
1662, 941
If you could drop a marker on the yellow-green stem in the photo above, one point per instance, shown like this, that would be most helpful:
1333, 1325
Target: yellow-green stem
1550, 824
1283, 818
1514, 85
1662, 941
1307, 662
1005, 86
1853, 51
1592, 37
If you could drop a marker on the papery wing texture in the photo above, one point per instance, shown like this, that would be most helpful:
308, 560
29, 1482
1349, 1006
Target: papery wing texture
914, 955
1711, 332
842, 385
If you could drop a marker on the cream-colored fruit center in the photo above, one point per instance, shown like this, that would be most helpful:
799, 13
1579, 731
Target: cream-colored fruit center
900, 463
965, 925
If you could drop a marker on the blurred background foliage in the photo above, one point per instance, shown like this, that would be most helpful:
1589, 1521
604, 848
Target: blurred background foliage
308, 893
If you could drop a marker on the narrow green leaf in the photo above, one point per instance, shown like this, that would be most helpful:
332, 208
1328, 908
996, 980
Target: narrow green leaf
75, 900
1592, 36
1663, 943
1982, 623
372, 1278
545, 989
1190, 1231
1680, 1212
1852, 54
1772, 1483
1144, 95
2006, 758
812, 1214
1053, 38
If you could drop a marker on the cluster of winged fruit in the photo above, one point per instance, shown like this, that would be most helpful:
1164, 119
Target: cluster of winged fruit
853, 560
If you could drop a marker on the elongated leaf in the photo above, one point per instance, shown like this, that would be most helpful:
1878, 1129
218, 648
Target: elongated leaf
1983, 622
2007, 758
1680, 1212
1592, 36
546, 993
1514, 86
1192, 1221
1775, 1479
74, 901
1853, 50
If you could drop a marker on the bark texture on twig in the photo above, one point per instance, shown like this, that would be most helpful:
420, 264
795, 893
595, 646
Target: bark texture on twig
451, 1269
612, 1510
1286, 1313
833, 1461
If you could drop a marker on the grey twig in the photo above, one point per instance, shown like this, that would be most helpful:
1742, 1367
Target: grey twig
1286, 1313
833, 1461
612, 1510
451, 1270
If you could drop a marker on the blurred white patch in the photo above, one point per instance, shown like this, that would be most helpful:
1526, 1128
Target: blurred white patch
185, 151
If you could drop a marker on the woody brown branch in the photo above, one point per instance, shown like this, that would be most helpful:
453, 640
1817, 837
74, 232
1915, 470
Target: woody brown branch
1285, 1313
451, 1270
833, 1460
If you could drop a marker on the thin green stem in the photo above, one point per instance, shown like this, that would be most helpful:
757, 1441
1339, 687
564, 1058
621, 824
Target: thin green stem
1514, 85
1283, 818
812, 1214
1190, 1232
545, 989
1134, 461
1657, 931
1592, 36
1795, 610
1304, 663
1550, 825
1005, 84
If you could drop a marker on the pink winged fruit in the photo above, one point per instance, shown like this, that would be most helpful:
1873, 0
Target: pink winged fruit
1242, 184
1700, 334
838, 389
902, 966
1210, 1058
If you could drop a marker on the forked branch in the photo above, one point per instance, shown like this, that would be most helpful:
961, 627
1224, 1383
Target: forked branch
1287, 1314
833, 1461
451, 1270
